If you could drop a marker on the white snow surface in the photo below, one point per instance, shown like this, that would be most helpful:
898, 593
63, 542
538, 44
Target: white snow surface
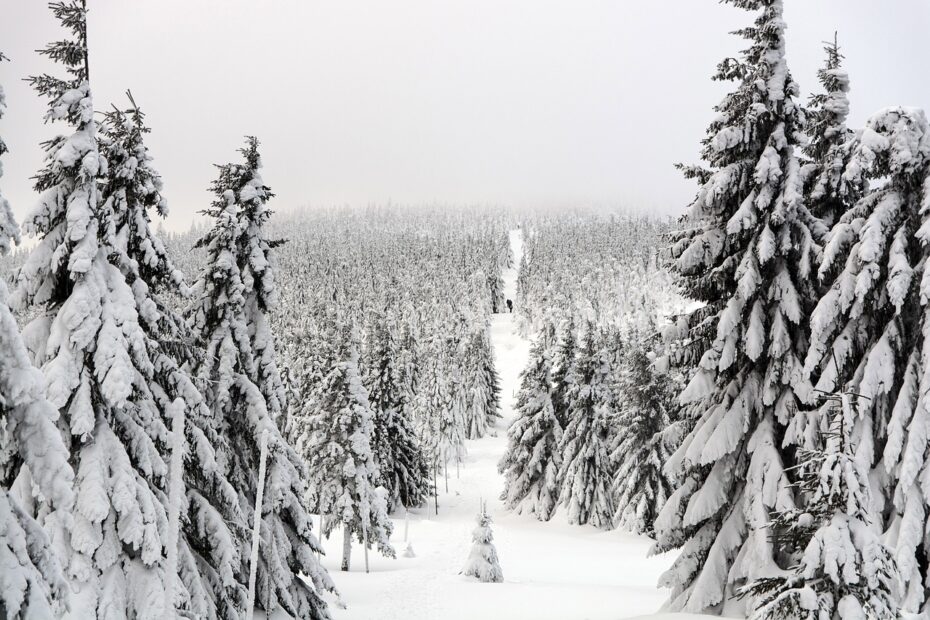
553, 571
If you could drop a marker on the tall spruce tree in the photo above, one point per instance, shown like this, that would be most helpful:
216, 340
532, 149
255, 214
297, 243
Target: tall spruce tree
869, 329
585, 471
447, 402
404, 472
748, 255
645, 408
482, 383
489, 379
244, 393
431, 403
87, 337
32, 584
562, 358
531, 462
336, 440
475, 386
313, 355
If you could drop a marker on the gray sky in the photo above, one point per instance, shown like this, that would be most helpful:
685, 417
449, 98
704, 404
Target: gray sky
512, 102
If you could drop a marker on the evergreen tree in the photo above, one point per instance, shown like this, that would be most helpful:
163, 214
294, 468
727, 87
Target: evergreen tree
259, 269
563, 359
748, 256
531, 462
431, 404
402, 465
32, 584
337, 443
495, 287
488, 381
407, 364
409, 374
129, 192
243, 390
585, 472
446, 402
868, 330
827, 191
86, 336
645, 409
314, 354
456, 415
844, 569
474, 388
482, 561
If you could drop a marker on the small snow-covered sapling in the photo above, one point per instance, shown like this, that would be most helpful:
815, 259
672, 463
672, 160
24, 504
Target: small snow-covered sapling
482, 561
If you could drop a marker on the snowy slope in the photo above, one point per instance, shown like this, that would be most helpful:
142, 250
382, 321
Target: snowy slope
551, 570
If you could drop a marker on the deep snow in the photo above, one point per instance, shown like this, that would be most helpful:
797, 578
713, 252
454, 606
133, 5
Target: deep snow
552, 571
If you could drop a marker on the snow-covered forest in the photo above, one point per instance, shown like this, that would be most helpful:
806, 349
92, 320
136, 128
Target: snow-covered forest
460, 412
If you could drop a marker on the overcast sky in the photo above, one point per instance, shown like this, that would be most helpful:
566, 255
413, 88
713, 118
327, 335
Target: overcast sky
511, 102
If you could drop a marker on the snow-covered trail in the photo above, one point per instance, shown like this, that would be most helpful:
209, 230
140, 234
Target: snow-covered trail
551, 570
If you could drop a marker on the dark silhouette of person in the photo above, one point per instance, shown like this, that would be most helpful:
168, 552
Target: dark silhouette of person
509, 306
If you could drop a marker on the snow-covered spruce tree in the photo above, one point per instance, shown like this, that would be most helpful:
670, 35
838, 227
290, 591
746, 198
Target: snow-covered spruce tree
87, 338
585, 471
482, 560
748, 256
439, 408
130, 190
488, 382
228, 318
32, 584
314, 350
531, 462
647, 406
844, 570
445, 402
458, 415
404, 472
336, 441
869, 329
430, 405
407, 364
473, 387
260, 270
562, 358
481, 383
828, 193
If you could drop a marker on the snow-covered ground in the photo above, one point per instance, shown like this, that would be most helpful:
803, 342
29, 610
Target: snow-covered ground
551, 570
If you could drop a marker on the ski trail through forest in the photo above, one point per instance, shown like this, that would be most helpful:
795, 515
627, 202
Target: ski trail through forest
551, 570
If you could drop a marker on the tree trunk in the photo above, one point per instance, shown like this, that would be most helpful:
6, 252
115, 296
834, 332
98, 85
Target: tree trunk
365, 541
346, 546
257, 522
175, 495
435, 487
